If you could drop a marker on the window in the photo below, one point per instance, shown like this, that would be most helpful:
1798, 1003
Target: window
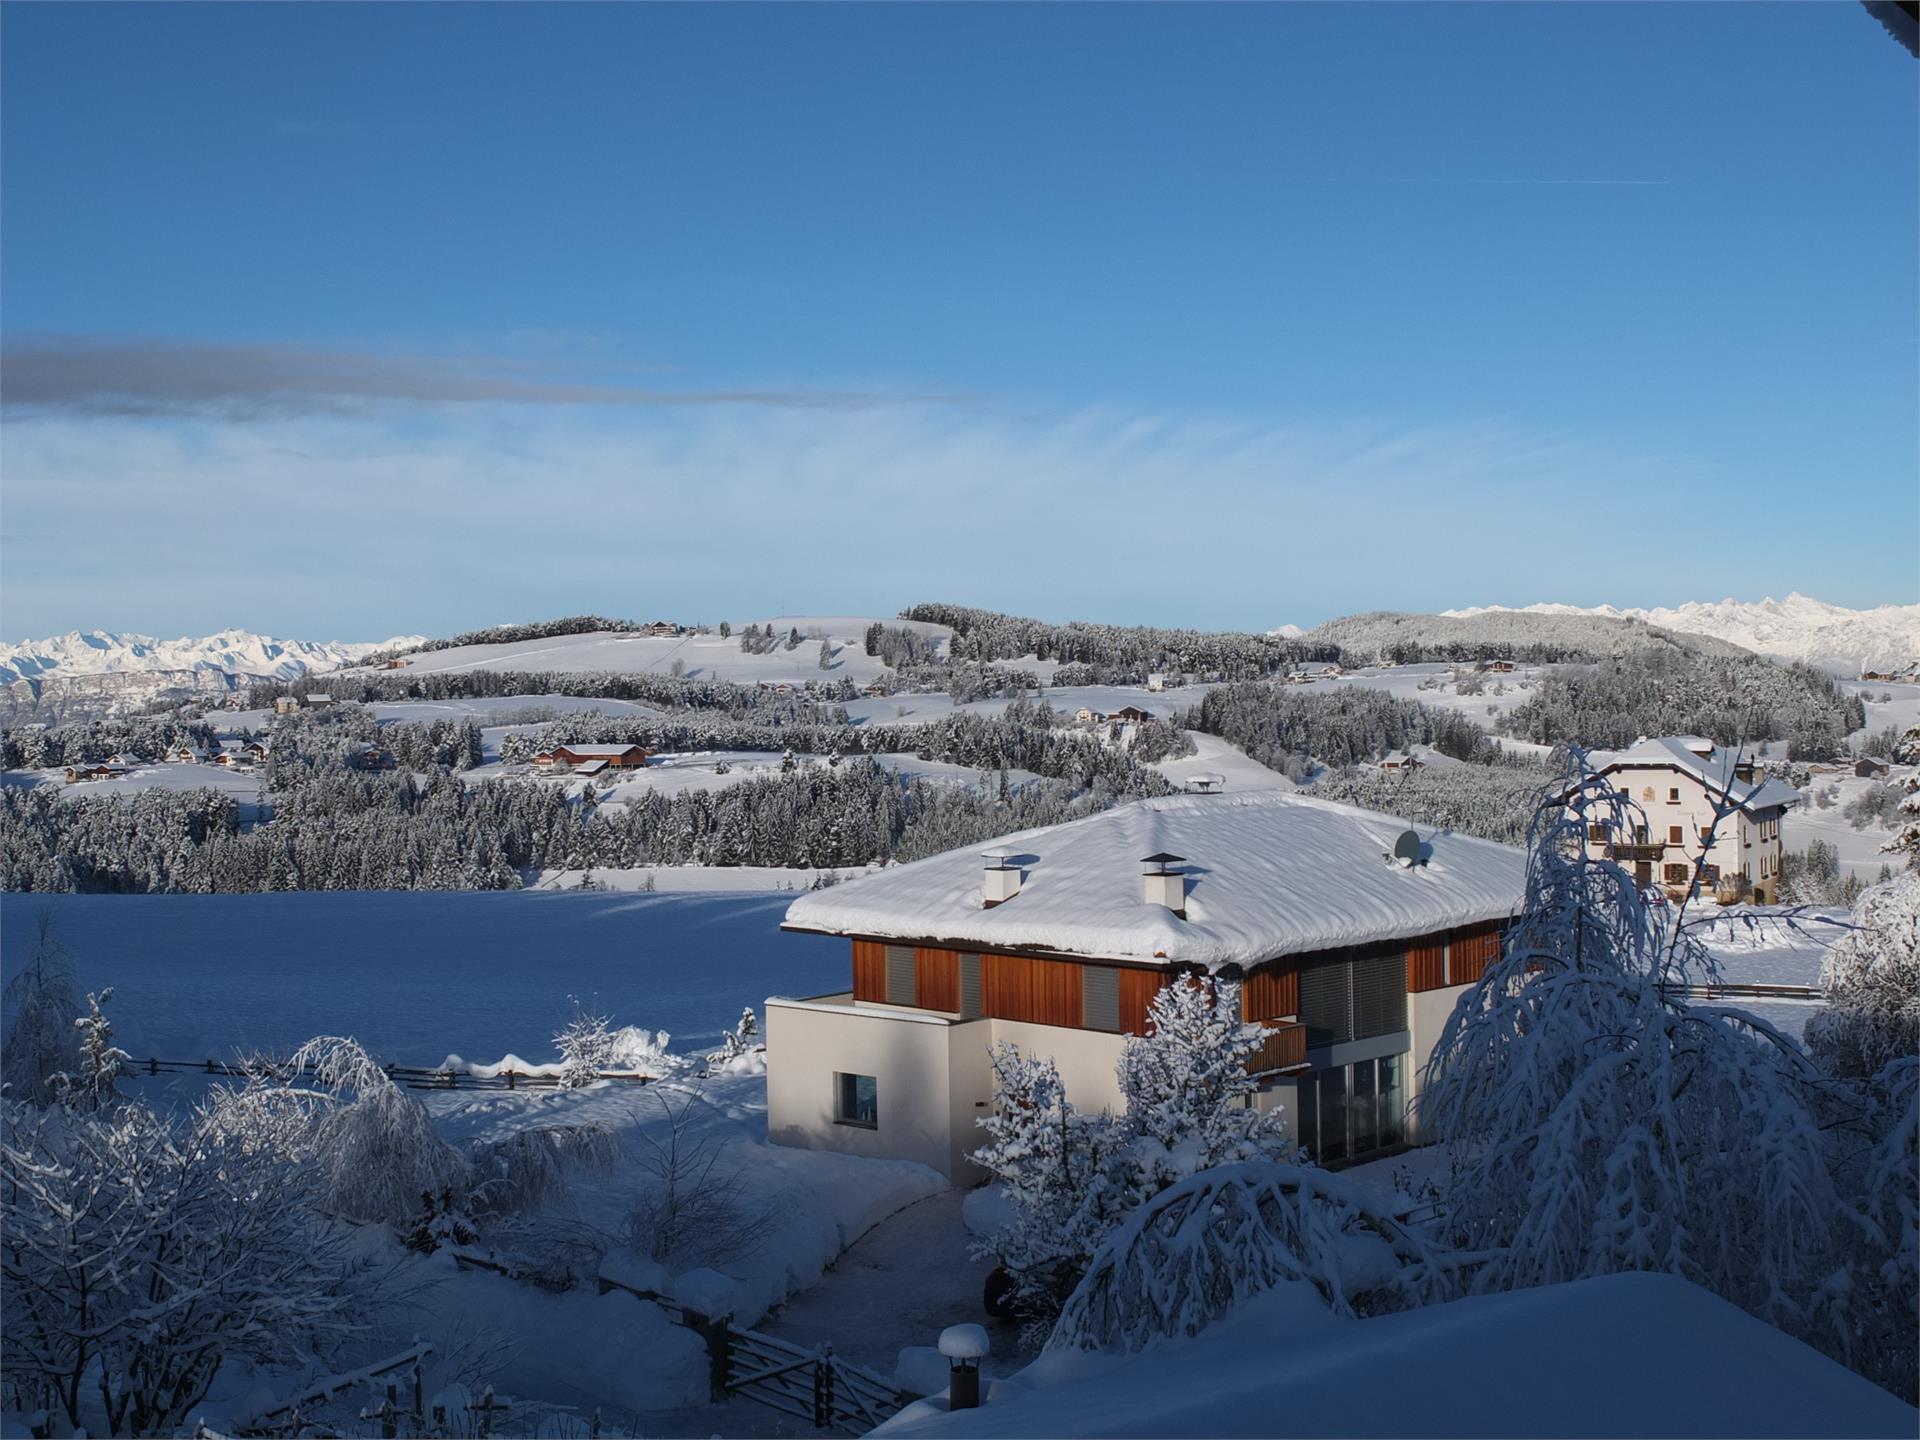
1675, 874
1345, 999
1709, 874
1597, 834
1676, 834
902, 988
856, 1101
1351, 1110
1333, 1115
1100, 997
1392, 1100
1673, 795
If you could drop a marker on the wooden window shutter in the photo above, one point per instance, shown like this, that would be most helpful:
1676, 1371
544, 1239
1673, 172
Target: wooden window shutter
1100, 997
901, 989
970, 1008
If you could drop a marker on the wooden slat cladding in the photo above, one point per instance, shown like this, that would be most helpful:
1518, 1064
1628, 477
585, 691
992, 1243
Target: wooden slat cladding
1471, 950
1137, 989
1272, 991
1427, 964
937, 976
870, 971
1022, 987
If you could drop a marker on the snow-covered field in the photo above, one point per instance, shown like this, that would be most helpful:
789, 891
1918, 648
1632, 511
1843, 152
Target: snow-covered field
417, 975
241, 783
1859, 849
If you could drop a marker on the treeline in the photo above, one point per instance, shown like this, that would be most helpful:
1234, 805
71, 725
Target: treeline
85, 742
1026, 736
1399, 638
345, 830
1731, 699
1495, 802
1115, 654
808, 704
509, 634
1286, 728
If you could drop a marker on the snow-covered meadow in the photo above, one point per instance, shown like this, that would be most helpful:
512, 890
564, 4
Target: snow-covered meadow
418, 975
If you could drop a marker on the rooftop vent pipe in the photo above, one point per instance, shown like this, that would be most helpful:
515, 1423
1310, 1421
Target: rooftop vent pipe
1000, 881
1163, 885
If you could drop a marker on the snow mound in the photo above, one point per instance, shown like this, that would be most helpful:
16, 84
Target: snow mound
1624, 1355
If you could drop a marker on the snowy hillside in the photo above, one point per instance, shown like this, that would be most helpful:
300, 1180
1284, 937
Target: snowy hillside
699, 656
1796, 628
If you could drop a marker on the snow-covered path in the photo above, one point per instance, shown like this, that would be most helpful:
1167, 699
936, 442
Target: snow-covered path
900, 1284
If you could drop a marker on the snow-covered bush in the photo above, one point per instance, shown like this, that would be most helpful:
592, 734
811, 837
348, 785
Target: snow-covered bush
1872, 981
586, 1047
1594, 1125
1187, 1088
101, 1061
638, 1051
529, 1169
41, 1048
443, 1222
692, 1210
1069, 1178
1906, 838
1196, 1250
329, 1106
743, 1039
142, 1255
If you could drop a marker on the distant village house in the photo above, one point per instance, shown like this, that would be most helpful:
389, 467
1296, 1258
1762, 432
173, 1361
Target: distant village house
1675, 783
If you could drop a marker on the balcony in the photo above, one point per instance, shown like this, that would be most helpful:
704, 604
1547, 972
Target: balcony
1635, 853
1283, 1048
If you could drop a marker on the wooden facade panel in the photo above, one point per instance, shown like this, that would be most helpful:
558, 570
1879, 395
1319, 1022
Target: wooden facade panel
1006, 986
1137, 989
870, 971
1056, 993
937, 978
1471, 950
1427, 965
1272, 991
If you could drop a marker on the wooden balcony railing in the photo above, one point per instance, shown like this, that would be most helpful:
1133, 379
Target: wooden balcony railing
1647, 850
1283, 1048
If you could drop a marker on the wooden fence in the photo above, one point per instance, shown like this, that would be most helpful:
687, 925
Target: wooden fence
410, 1076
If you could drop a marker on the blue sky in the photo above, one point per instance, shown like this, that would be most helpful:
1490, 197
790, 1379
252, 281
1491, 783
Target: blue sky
338, 321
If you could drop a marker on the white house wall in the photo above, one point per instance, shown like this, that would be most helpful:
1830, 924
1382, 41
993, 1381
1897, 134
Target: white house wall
913, 1070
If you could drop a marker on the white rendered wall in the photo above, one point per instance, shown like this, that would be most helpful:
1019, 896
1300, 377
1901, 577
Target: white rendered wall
1427, 1012
913, 1079
1086, 1059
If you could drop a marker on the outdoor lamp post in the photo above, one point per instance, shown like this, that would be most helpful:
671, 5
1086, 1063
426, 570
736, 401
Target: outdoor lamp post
965, 1346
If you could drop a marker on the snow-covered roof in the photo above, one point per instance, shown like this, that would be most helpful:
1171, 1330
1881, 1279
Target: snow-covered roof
1712, 765
603, 751
1269, 873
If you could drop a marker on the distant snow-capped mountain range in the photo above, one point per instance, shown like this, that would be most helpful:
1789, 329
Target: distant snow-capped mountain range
1799, 627
98, 672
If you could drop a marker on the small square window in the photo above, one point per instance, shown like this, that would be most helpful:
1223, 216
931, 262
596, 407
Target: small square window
1673, 796
856, 1101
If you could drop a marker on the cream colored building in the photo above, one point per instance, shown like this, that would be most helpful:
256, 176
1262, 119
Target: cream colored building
1350, 933
1695, 805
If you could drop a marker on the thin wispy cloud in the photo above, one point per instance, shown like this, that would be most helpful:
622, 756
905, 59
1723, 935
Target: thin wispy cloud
146, 378
316, 524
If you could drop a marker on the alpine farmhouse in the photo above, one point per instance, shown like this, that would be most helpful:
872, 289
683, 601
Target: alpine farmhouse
1674, 783
1351, 934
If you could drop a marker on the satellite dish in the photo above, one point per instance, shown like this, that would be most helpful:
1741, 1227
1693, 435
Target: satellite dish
1407, 848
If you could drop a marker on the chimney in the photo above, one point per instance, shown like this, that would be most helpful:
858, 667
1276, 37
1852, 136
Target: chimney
1163, 885
1000, 881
